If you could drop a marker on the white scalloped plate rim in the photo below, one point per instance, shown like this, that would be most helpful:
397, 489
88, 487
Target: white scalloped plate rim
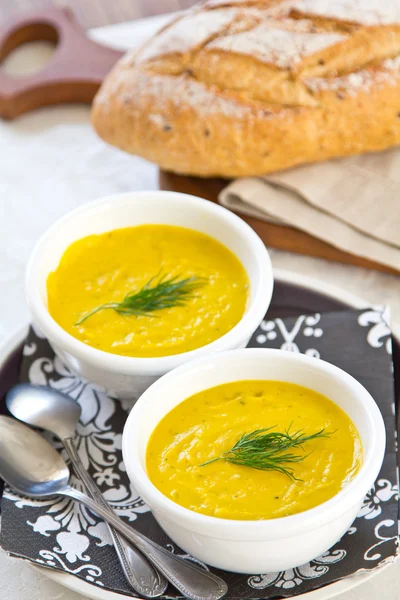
324, 593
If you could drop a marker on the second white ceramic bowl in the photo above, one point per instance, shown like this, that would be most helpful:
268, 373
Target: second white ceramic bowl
124, 375
267, 545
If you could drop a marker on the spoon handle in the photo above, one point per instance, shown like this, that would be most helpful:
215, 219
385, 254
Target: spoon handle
140, 574
191, 580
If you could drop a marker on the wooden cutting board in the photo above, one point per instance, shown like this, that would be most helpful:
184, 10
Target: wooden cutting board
274, 236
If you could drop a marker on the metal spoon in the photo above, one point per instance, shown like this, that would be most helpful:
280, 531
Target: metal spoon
32, 467
49, 409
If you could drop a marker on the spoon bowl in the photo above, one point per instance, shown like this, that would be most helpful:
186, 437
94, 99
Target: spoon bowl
44, 407
41, 472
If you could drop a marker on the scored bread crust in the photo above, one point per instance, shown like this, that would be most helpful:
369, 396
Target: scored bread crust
246, 88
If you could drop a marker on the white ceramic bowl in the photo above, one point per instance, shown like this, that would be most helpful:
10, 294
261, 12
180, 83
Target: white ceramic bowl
127, 376
268, 545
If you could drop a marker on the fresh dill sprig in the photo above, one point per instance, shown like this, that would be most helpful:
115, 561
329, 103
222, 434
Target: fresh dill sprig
158, 293
268, 450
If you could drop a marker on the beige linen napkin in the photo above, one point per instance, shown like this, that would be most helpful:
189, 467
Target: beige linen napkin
352, 203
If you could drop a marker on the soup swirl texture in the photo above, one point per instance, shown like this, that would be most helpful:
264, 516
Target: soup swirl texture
210, 423
102, 269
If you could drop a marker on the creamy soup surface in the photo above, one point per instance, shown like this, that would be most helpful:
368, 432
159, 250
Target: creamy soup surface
208, 424
104, 268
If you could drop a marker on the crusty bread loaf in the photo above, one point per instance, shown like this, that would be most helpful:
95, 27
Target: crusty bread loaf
242, 87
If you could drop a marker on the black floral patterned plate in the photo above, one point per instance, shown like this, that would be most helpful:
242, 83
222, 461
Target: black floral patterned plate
293, 296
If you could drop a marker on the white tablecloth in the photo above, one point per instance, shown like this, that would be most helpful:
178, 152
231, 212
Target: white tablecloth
51, 162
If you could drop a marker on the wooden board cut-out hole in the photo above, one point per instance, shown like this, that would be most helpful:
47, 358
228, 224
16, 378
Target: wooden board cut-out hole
73, 74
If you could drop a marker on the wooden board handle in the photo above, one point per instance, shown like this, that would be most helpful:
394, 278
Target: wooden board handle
73, 74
